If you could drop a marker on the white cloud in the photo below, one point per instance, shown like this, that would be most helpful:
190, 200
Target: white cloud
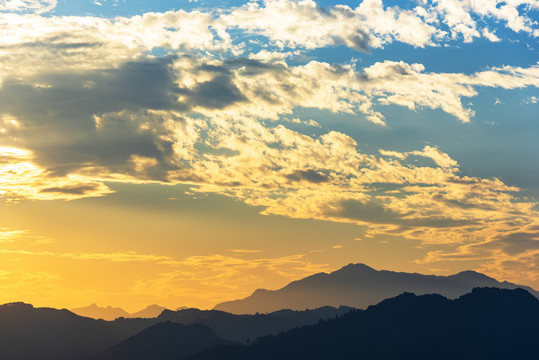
35, 6
305, 24
490, 35
459, 16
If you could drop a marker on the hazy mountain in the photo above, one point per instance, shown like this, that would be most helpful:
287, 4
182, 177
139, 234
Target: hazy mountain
489, 323
242, 328
97, 312
28, 333
163, 341
358, 285
150, 311
110, 313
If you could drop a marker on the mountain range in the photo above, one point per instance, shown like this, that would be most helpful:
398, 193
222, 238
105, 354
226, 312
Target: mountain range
29, 333
358, 286
110, 313
486, 324
164, 341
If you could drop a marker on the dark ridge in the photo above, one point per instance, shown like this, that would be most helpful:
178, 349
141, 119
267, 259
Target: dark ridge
164, 341
28, 333
486, 324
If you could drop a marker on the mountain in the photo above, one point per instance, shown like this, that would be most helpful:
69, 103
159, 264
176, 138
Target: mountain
110, 313
164, 341
243, 328
151, 311
358, 285
28, 333
97, 312
488, 323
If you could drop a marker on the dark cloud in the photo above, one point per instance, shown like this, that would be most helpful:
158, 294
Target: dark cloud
375, 212
59, 124
73, 97
72, 190
58, 112
250, 67
519, 242
462, 204
55, 47
307, 175
360, 41
216, 93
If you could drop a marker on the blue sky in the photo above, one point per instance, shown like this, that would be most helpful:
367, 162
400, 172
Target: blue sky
299, 133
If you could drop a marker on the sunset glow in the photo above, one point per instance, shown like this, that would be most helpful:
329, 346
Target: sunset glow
185, 153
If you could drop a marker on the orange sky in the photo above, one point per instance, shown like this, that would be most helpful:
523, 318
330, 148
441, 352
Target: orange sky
177, 154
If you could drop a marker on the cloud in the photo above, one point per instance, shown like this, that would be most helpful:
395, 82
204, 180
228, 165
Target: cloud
128, 256
307, 175
9, 235
244, 251
85, 101
72, 189
21, 179
459, 16
210, 279
512, 254
149, 121
203, 279
304, 24
33, 6
34, 43
126, 122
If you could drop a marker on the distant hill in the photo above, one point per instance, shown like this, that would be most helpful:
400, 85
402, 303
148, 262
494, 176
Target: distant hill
488, 323
164, 341
241, 328
28, 333
358, 285
97, 312
110, 313
151, 311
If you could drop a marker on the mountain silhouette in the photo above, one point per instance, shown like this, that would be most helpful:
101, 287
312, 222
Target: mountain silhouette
242, 328
151, 311
110, 313
163, 341
358, 285
488, 323
97, 312
28, 333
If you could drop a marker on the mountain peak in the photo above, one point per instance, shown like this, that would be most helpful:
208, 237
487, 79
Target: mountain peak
98, 312
150, 311
471, 275
358, 285
18, 304
356, 267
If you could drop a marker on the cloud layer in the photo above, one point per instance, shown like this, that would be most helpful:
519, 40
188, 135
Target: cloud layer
200, 98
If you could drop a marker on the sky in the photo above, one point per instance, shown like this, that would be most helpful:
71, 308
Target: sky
185, 153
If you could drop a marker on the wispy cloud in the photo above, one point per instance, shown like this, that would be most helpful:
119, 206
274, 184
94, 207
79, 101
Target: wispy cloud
203, 280
32, 6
